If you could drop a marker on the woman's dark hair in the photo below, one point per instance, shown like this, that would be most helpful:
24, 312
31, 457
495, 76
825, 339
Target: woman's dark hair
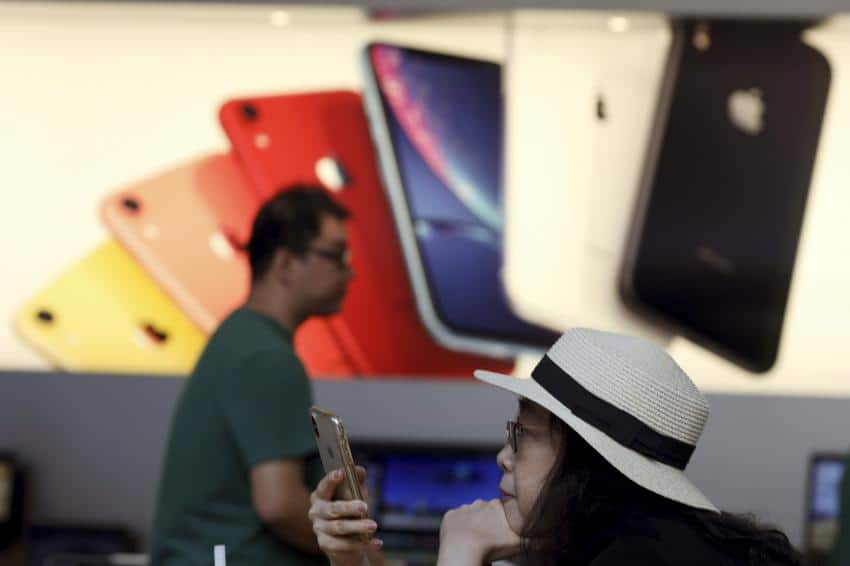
586, 504
291, 219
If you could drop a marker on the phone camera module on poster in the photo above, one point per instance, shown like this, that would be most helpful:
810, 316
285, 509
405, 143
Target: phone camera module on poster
131, 204
249, 111
601, 108
154, 334
45, 316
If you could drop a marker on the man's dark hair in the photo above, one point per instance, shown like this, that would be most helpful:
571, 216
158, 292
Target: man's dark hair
291, 219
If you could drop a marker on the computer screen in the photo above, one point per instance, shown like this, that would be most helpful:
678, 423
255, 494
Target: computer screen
823, 501
411, 488
417, 489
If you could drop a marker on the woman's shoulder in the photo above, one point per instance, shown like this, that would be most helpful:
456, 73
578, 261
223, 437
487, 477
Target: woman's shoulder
662, 542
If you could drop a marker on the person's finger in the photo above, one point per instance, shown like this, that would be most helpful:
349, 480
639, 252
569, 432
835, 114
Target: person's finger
329, 510
327, 487
350, 509
355, 509
345, 527
320, 509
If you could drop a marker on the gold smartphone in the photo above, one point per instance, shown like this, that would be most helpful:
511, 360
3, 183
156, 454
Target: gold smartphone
335, 451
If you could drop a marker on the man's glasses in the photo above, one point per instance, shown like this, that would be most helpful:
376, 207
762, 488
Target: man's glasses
342, 258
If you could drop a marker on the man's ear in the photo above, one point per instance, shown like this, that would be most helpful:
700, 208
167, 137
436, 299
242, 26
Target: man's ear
284, 266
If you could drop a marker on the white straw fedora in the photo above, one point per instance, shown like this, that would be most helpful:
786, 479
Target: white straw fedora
628, 399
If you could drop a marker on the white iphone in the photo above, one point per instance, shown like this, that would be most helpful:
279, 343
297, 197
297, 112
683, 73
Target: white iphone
581, 91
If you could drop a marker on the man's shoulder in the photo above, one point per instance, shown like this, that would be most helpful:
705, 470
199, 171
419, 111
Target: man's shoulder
248, 327
255, 360
275, 357
245, 339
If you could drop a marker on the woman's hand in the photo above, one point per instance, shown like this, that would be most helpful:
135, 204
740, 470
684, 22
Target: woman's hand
476, 533
343, 528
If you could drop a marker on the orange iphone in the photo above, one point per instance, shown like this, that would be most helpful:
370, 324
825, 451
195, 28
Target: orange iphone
167, 224
187, 228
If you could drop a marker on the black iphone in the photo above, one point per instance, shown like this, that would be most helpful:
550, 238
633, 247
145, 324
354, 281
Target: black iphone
717, 225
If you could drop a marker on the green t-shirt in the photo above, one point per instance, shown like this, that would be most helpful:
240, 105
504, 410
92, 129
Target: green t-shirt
246, 402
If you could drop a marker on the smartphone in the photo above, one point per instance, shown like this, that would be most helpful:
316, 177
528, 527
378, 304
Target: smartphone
188, 227
171, 228
717, 226
580, 89
105, 314
437, 123
335, 451
322, 138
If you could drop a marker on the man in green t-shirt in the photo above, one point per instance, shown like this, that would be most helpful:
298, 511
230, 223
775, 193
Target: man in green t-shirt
241, 460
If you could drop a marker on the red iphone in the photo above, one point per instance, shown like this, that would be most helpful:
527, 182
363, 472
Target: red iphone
323, 139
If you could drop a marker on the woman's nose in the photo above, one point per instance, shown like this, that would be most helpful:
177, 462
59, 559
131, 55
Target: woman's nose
505, 458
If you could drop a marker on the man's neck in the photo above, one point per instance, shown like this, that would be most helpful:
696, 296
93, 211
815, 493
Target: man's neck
275, 309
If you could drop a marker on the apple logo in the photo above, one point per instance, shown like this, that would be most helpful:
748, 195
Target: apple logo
746, 111
221, 246
331, 173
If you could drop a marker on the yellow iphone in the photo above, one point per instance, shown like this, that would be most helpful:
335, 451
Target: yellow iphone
105, 314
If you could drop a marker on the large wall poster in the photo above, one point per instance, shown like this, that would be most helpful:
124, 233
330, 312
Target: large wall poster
141, 139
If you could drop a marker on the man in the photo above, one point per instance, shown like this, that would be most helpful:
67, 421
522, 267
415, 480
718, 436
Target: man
241, 461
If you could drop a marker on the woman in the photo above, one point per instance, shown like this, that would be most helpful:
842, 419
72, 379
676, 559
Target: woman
593, 474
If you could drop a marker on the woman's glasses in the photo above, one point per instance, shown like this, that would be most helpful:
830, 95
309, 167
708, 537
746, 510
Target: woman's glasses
515, 431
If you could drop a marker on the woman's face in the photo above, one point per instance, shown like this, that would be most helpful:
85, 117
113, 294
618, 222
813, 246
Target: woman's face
524, 471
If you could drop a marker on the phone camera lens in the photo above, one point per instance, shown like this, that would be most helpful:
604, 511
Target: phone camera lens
249, 111
156, 335
45, 316
601, 108
131, 204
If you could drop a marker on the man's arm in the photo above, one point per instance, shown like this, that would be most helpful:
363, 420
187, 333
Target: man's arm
267, 405
282, 501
